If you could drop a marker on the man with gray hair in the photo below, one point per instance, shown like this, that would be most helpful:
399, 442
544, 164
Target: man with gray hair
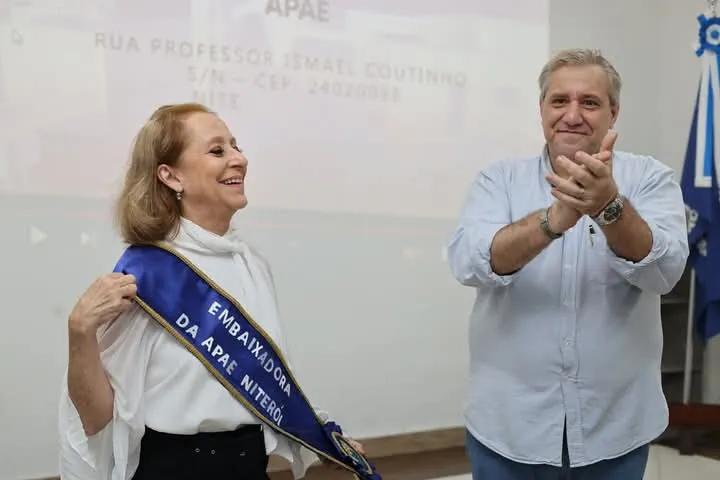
569, 252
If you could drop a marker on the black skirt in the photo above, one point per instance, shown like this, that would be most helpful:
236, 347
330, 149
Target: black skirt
236, 455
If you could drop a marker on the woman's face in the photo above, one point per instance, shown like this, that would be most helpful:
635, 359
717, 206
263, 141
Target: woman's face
210, 173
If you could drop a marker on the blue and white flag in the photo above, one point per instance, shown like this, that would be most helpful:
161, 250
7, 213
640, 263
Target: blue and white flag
700, 182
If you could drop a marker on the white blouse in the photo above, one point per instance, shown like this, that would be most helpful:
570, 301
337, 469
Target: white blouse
159, 384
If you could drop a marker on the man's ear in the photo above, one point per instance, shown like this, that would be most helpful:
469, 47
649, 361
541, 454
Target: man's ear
167, 175
615, 112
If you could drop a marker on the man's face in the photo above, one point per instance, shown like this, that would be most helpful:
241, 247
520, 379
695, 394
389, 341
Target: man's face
576, 112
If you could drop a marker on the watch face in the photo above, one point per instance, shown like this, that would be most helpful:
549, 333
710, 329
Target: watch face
611, 212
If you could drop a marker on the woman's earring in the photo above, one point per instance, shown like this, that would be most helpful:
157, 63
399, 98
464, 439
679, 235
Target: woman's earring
178, 195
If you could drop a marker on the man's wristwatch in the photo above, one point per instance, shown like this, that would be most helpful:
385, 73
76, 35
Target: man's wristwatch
611, 212
545, 225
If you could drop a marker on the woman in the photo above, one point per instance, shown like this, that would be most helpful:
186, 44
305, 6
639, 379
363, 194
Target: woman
136, 403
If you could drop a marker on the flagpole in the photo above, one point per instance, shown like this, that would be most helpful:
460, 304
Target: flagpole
687, 377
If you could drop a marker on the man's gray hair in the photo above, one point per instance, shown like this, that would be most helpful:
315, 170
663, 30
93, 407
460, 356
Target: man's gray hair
581, 57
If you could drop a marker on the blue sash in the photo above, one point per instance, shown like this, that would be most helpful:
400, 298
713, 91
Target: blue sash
243, 358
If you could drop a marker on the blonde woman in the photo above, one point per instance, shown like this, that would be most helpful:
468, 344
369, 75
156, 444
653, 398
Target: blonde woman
175, 359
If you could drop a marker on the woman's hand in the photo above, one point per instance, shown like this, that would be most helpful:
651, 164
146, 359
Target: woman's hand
355, 444
102, 302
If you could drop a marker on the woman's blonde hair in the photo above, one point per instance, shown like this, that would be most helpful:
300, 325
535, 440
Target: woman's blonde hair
147, 209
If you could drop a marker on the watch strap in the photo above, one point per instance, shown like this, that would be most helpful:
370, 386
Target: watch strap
545, 225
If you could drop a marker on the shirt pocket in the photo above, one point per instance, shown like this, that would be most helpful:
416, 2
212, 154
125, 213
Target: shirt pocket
598, 256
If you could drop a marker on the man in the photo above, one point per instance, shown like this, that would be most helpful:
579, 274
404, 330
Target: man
569, 252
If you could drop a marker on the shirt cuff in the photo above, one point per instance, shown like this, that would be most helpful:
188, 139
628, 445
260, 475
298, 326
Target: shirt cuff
627, 268
483, 256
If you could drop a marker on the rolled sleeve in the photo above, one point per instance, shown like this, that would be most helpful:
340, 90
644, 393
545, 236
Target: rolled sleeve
659, 202
485, 211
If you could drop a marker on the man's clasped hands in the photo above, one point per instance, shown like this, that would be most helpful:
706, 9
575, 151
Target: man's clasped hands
588, 188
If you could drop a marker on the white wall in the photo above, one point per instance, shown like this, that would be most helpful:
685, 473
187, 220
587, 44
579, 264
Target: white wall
660, 72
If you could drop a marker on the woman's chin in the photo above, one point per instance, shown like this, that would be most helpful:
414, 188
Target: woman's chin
240, 202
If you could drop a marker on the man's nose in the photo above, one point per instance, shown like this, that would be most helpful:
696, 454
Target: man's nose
572, 114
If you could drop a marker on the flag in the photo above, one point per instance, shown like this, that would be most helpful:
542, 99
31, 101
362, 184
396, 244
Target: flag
699, 182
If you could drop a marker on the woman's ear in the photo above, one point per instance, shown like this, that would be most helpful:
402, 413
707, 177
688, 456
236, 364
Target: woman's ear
167, 176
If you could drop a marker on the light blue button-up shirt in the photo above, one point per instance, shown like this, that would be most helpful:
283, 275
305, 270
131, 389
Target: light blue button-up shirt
575, 335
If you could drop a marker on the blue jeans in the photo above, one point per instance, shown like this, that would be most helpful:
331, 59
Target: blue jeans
488, 465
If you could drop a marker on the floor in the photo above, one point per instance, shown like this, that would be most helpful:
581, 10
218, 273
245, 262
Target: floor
665, 464
423, 466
